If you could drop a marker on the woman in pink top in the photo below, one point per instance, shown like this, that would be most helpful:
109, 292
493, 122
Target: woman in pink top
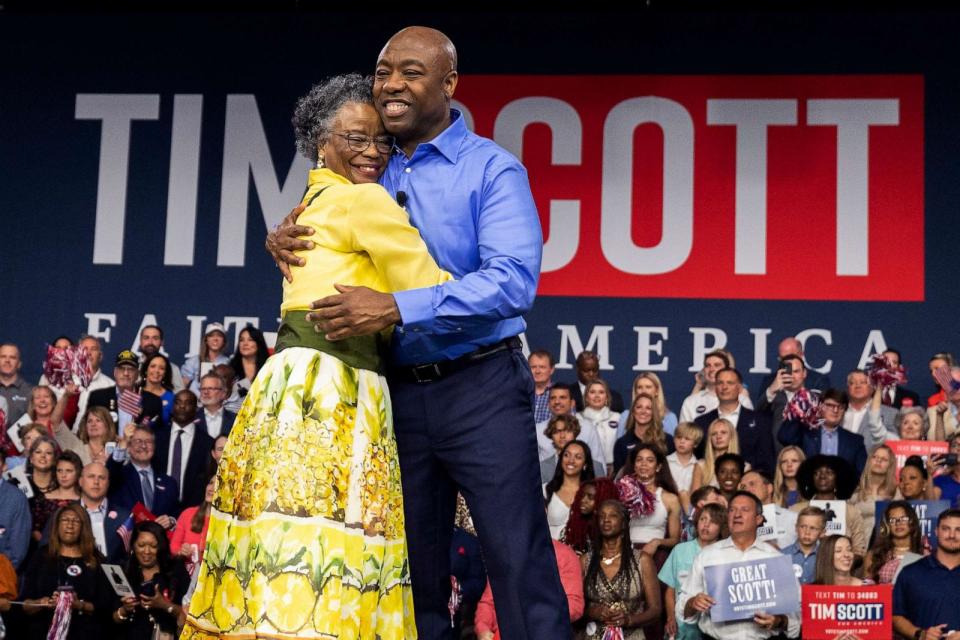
190, 536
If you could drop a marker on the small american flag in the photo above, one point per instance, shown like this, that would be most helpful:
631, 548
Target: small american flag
125, 531
130, 402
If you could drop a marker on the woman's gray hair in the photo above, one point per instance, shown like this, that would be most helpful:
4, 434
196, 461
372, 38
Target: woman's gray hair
315, 112
906, 411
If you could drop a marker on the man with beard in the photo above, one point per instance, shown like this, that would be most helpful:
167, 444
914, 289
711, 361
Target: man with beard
926, 596
151, 343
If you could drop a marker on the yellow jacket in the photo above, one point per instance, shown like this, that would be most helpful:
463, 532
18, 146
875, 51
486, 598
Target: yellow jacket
362, 238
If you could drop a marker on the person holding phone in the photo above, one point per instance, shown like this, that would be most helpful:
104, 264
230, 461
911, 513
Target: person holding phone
949, 482
159, 580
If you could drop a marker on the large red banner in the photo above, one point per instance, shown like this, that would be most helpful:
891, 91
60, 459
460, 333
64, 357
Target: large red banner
774, 187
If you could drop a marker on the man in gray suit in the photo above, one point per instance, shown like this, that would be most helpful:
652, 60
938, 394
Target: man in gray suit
788, 380
866, 415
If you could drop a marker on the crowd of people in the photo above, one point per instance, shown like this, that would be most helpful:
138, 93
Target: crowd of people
92, 479
117, 475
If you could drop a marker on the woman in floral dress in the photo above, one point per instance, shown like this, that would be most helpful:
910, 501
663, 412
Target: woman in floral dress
306, 535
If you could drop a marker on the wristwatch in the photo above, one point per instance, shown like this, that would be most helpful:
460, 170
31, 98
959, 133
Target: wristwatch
918, 633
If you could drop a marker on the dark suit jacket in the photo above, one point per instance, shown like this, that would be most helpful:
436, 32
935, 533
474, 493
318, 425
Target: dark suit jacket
150, 405
850, 446
125, 489
195, 476
754, 435
616, 400
116, 516
902, 393
226, 424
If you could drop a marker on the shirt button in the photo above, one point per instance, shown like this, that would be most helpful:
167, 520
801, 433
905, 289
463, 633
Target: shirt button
407, 170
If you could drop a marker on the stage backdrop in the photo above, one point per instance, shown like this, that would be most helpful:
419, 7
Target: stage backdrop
703, 180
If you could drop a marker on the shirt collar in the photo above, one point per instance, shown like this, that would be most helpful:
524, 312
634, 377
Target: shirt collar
449, 141
100, 509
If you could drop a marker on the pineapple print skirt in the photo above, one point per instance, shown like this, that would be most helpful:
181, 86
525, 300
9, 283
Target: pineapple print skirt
306, 534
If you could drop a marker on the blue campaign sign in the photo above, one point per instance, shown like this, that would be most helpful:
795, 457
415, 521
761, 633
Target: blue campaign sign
743, 589
927, 512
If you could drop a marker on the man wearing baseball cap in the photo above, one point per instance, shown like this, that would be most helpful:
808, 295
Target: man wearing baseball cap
124, 401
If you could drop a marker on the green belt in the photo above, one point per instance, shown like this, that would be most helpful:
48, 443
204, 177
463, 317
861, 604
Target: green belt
360, 352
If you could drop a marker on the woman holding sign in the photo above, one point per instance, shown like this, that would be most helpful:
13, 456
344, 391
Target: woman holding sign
620, 586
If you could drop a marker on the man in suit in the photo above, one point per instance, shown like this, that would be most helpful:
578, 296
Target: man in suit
183, 451
828, 437
134, 479
791, 376
588, 370
125, 372
792, 346
753, 428
865, 415
105, 518
214, 419
899, 396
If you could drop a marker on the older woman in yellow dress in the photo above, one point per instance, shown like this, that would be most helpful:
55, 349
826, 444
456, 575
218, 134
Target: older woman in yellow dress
306, 535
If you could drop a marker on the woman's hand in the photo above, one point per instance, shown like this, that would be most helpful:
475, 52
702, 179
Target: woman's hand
71, 389
186, 550
129, 604
156, 601
942, 408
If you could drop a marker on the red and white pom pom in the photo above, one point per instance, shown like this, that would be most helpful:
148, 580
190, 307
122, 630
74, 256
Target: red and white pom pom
883, 373
805, 407
635, 497
60, 626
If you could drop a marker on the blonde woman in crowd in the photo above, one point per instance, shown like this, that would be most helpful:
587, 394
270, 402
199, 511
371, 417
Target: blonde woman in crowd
877, 482
721, 439
649, 383
785, 490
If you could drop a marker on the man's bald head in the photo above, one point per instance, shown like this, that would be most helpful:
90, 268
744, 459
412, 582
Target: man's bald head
413, 84
94, 481
790, 346
429, 39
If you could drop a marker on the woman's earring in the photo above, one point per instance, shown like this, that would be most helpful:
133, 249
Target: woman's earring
320, 162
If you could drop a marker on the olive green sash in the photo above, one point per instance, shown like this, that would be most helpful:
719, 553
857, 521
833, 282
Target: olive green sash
360, 352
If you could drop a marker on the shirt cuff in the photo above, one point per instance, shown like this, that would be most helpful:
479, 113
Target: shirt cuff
416, 309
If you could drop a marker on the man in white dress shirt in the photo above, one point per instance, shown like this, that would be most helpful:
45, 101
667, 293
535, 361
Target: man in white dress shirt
744, 516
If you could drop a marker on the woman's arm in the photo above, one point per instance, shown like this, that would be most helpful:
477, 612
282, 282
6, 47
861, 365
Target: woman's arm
697, 480
56, 417
651, 594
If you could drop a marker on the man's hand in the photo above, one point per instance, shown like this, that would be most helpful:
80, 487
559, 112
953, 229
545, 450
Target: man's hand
766, 621
284, 239
355, 311
167, 522
700, 603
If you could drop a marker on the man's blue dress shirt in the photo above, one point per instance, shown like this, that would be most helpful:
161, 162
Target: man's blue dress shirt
471, 202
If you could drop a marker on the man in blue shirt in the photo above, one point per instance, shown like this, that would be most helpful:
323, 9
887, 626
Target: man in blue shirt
14, 519
462, 390
926, 596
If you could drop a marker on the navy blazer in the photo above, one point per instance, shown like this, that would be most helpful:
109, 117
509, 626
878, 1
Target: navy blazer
226, 423
850, 446
116, 516
125, 489
197, 461
754, 434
